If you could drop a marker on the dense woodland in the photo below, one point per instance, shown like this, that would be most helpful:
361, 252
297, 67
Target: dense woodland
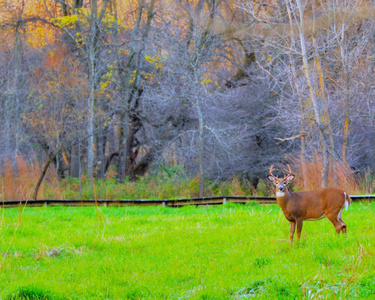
221, 88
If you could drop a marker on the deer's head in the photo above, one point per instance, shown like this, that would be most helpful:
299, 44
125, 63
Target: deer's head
281, 183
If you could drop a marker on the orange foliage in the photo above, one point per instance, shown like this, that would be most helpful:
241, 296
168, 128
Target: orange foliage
39, 33
50, 81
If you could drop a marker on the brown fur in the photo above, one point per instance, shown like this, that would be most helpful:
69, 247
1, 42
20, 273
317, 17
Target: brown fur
311, 205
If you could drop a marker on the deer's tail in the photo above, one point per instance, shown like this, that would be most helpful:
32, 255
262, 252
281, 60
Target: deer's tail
347, 201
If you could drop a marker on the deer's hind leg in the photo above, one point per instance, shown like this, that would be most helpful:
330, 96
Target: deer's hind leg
335, 219
341, 221
343, 226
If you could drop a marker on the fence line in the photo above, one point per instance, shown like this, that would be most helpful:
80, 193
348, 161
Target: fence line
218, 200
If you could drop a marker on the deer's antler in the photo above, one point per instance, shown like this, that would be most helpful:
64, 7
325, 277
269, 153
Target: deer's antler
289, 171
271, 170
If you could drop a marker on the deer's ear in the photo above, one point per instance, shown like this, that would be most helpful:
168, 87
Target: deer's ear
289, 179
271, 178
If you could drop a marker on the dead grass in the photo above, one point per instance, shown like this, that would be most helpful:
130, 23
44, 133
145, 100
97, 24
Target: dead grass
339, 175
18, 180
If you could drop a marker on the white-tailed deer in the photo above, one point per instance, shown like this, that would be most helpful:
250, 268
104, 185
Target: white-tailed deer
311, 205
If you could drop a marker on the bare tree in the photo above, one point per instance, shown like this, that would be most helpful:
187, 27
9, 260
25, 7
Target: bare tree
130, 83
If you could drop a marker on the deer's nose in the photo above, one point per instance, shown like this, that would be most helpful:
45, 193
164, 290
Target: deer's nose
281, 187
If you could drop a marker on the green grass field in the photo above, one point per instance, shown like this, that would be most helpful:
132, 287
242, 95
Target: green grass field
221, 252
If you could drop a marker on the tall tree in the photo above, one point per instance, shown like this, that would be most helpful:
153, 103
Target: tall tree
86, 28
131, 81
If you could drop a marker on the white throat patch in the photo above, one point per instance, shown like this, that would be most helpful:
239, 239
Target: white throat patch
280, 194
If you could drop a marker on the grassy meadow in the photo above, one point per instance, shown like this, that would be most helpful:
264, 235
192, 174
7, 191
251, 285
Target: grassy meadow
217, 252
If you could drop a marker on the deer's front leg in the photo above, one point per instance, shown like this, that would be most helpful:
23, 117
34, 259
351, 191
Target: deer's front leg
292, 230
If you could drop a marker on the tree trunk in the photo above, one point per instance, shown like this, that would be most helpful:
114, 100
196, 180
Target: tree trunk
316, 106
100, 152
346, 83
44, 171
296, 90
346, 119
129, 121
94, 79
131, 145
92, 97
121, 148
12, 103
74, 167
201, 153
326, 115
90, 140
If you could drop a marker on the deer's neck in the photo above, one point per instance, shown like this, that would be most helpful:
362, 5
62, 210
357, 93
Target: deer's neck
280, 194
283, 197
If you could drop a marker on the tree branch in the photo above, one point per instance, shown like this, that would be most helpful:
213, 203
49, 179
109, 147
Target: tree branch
303, 134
